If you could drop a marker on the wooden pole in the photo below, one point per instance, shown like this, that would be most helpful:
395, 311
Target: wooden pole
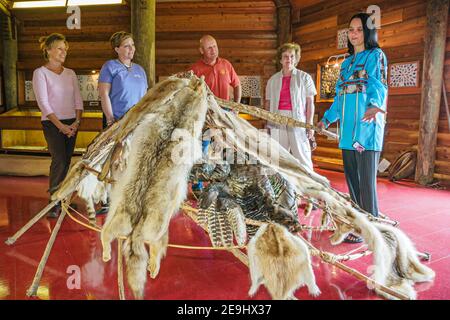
143, 30
9, 61
120, 270
29, 224
432, 76
32, 291
284, 25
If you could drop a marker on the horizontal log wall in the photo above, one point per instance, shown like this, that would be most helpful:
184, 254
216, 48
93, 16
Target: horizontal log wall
401, 37
245, 32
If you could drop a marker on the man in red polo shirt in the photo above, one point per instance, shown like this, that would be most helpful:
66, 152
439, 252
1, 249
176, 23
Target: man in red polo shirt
219, 76
219, 73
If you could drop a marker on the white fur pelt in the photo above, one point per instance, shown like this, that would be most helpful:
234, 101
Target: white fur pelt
164, 148
280, 261
395, 261
406, 269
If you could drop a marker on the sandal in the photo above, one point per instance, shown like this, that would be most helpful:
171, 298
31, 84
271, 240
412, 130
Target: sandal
351, 238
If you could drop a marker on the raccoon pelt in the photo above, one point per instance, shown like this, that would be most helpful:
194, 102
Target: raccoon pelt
406, 268
164, 148
280, 261
222, 216
92, 191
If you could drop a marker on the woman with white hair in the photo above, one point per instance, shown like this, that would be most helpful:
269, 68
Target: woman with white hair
291, 92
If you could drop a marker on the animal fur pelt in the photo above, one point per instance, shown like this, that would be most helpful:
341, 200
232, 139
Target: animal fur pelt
406, 269
160, 95
83, 179
280, 261
396, 263
153, 187
164, 148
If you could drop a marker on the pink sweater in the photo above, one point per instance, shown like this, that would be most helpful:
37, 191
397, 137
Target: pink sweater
57, 93
285, 94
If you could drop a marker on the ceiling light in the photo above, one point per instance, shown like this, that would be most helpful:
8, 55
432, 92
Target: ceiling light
92, 2
39, 4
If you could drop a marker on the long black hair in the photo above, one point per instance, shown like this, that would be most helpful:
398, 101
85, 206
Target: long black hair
370, 33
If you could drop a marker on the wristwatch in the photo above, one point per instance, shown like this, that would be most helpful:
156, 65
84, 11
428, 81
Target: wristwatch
77, 122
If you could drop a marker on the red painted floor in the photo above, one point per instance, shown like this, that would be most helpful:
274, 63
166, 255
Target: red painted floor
424, 214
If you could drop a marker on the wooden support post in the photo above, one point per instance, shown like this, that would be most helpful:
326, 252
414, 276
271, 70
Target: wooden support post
284, 25
9, 61
143, 30
432, 77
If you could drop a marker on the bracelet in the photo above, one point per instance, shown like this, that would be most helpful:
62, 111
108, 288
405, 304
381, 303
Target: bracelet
77, 122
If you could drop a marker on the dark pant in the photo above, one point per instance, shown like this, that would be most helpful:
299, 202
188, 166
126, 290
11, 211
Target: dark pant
104, 123
361, 174
61, 149
205, 146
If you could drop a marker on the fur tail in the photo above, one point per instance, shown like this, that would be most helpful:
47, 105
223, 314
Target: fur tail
136, 257
421, 272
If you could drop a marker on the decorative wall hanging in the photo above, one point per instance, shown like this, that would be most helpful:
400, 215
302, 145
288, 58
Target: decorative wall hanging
327, 76
251, 86
88, 86
29, 93
342, 38
404, 75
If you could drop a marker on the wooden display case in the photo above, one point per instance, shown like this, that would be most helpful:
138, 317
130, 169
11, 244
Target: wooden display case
21, 130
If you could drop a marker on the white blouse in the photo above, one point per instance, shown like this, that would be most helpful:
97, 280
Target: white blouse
302, 86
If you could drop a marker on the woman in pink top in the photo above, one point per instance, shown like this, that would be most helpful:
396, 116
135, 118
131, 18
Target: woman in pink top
59, 99
291, 92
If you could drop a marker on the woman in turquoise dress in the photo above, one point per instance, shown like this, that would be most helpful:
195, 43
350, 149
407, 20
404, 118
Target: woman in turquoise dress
360, 107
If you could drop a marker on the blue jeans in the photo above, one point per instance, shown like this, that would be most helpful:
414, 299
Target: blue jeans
199, 185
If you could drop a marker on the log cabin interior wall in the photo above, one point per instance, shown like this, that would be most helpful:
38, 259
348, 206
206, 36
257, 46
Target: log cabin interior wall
442, 163
315, 26
245, 32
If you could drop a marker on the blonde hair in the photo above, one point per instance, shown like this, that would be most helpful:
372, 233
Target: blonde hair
118, 37
290, 46
46, 42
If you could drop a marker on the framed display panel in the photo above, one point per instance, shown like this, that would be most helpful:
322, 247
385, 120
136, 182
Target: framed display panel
342, 38
404, 74
87, 81
327, 76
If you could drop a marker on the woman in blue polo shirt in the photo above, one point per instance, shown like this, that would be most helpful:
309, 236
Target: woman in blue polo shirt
122, 83
360, 107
